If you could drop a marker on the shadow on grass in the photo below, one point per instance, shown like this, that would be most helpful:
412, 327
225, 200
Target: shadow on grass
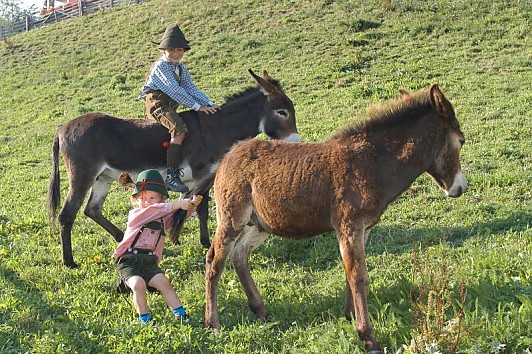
70, 332
322, 252
398, 240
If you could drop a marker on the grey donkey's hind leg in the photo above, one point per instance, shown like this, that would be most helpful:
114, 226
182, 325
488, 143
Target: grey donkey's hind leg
66, 218
94, 206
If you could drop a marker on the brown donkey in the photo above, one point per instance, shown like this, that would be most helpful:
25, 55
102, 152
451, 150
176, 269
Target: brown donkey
342, 184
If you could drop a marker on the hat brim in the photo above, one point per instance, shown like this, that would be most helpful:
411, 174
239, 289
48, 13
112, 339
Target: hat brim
174, 42
150, 187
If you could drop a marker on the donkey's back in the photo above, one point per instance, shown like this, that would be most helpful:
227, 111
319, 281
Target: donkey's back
121, 144
288, 189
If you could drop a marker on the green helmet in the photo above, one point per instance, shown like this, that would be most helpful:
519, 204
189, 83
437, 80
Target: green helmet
173, 37
150, 180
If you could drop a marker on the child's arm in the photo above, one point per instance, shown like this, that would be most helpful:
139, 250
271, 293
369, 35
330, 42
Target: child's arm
187, 204
163, 78
192, 89
139, 216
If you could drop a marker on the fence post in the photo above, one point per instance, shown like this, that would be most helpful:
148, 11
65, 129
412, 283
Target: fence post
27, 23
80, 7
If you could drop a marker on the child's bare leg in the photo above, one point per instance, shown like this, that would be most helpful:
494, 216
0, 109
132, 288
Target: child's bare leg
138, 285
163, 285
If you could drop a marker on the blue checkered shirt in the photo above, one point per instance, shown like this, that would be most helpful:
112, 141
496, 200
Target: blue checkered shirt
176, 82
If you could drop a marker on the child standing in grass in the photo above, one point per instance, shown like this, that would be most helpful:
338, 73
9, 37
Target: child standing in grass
139, 253
168, 86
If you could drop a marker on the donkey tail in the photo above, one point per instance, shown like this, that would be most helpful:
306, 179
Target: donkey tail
202, 187
54, 193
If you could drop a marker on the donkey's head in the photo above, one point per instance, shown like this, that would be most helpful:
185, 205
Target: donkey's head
446, 170
278, 118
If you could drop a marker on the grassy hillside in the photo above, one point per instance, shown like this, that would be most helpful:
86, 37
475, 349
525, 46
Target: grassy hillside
453, 275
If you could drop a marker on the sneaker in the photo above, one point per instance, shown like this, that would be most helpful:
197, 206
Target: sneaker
173, 182
148, 321
183, 318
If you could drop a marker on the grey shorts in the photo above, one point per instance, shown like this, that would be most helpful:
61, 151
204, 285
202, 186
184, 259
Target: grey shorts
162, 108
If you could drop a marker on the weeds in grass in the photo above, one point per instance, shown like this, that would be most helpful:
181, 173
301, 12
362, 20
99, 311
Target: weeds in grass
437, 304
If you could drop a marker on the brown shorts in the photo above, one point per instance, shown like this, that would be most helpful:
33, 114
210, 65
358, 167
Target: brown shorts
162, 108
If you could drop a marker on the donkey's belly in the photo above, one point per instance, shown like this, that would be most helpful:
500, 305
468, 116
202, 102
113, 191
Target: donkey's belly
294, 226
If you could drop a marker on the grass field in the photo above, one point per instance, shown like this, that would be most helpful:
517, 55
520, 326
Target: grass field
446, 275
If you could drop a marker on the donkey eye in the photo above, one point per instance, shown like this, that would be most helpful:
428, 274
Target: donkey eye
282, 112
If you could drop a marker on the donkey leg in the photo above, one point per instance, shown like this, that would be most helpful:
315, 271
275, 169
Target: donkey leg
248, 241
203, 216
223, 243
94, 206
66, 218
352, 243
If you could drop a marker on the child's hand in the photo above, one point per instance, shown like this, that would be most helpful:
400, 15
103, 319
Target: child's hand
189, 204
196, 200
209, 109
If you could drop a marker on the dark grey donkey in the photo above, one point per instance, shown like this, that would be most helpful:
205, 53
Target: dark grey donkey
98, 148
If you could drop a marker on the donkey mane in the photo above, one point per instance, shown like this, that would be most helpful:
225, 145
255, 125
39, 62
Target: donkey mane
249, 91
392, 113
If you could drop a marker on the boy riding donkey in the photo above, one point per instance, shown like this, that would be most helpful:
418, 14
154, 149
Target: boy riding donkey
169, 85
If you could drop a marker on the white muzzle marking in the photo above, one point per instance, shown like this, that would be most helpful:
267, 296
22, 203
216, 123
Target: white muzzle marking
292, 138
459, 186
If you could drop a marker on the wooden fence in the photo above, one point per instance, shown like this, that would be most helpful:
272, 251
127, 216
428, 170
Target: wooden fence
71, 9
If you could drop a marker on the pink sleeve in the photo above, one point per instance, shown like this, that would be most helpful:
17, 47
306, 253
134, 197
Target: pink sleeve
167, 220
140, 216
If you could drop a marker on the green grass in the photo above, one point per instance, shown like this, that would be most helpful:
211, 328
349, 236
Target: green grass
454, 273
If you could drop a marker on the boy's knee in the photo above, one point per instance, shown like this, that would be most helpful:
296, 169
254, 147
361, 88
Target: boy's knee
160, 281
136, 284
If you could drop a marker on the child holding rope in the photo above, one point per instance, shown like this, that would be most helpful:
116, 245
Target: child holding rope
139, 254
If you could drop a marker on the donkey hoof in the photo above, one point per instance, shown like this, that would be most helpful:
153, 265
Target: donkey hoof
213, 325
71, 264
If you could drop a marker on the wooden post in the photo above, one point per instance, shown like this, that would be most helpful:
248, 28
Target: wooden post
80, 7
27, 23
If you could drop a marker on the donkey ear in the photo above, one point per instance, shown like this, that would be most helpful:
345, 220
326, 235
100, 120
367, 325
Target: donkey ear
253, 74
439, 102
406, 96
266, 76
404, 93
265, 86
